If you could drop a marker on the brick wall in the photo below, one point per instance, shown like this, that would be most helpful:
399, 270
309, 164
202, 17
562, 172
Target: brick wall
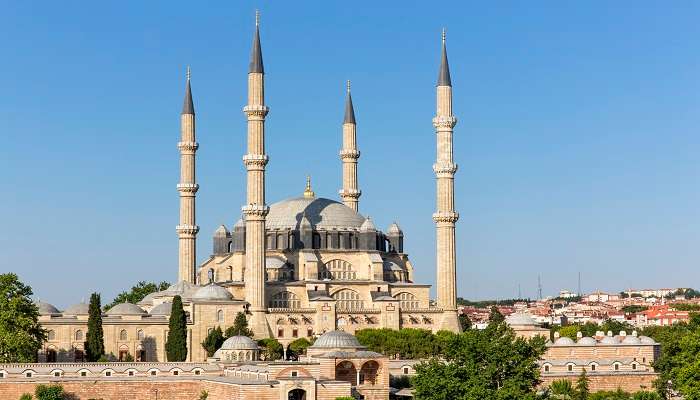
627, 382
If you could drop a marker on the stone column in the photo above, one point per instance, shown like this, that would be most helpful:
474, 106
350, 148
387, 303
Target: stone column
255, 209
445, 217
349, 155
187, 229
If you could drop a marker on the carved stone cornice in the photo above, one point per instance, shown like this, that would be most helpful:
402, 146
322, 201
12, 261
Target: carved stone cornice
449, 217
187, 187
349, 154
255, 212
188, 146
256, 111
184, 230
255, 161
444, 169
350, 193
444, 122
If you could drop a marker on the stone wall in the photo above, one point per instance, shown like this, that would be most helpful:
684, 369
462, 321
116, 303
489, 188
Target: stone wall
629, 382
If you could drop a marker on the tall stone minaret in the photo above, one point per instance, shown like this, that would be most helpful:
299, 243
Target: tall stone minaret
255, 209
187, 229
445, 217
349, 155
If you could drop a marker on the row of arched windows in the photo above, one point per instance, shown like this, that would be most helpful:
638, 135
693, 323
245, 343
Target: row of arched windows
285, 300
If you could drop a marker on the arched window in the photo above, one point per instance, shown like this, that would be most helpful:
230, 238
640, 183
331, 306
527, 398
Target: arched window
329, 241
140, 335
230, 273
211, 275
407, 301
79, 335
123, 335
51, 335
546, 368
338, 270
230, 247
285, 300
315, 241
280, 242
616, 366
570, 367
220, 316
347, 299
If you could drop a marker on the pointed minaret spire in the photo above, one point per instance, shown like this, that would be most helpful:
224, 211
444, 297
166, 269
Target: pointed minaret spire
349, 109
444, 76
256, 61
188, 106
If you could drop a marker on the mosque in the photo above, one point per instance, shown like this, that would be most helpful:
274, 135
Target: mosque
300, 267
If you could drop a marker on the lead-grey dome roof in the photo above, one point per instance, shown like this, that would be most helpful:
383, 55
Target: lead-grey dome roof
239, 343
162, 309
212, 292
337, 340
586, 341
125, 309
46, 308
564, 341
78, 309
520, 319
322, 213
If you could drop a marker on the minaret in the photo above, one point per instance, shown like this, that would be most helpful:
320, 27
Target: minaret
255, 209
445, 217
187, 229
349, 155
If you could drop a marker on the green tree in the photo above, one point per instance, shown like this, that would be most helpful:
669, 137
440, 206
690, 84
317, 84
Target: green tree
495, 317
176, 346
271, 349
137, 293
95, 344
25, 396
213, 341
464, 322
562, 389
239, 327
21, 335
298, 347
204, 395
582, 386
646, 396
487, 364
49, 392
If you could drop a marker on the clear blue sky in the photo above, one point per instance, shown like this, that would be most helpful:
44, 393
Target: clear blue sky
577, 139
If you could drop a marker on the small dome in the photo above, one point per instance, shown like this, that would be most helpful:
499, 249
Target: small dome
631, 340
586, 341
78, 309
212, 292
182, 289
148, 300
394, 228
46, 308
239, 224
609, 340
337, 340
564, 341
162, 309
646, 340
367, 226
125, 309
520, 319
239, 343
221, 231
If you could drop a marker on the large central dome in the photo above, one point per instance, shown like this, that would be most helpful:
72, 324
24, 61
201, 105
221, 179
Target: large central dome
322, 213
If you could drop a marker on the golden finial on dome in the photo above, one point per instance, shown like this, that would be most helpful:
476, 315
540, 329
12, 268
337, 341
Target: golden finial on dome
308, 193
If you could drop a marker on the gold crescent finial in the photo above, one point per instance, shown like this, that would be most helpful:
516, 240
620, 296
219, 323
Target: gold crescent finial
257, 17
308, 193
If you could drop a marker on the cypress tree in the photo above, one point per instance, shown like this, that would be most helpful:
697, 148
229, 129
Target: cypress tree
239, 327
95, 345
176, 346
582, 390
213, 341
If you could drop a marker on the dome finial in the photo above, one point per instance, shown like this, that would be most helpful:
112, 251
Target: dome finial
308, 193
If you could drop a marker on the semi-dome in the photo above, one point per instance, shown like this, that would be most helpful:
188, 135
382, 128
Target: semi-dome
182, 289
78, 309
520, 319
564, 341
337, 340
322, 213
148, 299
46, 308
239, 343
586, 341
212, 292
125, 309
162, 309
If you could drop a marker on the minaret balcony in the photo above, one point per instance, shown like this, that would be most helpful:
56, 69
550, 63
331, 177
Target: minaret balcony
449, 217
187, 187
349, 154
187, 229
444, 122
188, 146
444, 169
256, 110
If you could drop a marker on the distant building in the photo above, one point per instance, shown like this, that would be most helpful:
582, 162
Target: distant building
566, 294
663, 315
601, 297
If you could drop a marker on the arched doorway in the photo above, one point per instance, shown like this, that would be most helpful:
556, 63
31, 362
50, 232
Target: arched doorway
346, 371
51, 355
296, 394
369, 372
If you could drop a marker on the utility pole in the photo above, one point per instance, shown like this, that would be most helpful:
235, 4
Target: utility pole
539, 288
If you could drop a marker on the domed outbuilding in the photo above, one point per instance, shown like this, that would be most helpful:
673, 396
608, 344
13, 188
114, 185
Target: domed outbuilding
212, 292
46, 308
238, 348
123, 309
77, 309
